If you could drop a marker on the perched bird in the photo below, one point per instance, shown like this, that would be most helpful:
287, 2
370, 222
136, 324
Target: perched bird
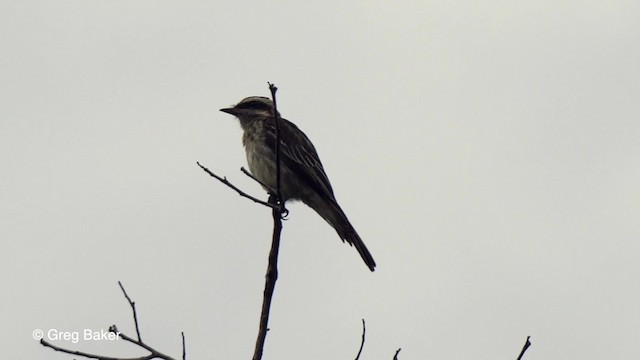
302, 176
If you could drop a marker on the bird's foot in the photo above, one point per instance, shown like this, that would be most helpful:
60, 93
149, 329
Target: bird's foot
284, 212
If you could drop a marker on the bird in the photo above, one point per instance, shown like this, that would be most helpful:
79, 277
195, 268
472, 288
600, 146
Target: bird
302, 176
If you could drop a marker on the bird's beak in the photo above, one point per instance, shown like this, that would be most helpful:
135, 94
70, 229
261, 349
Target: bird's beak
231, 111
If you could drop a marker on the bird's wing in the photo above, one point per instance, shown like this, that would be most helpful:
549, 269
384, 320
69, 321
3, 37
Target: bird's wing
299, 154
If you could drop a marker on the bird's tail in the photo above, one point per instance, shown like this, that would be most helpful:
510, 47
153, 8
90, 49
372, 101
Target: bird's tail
334, 215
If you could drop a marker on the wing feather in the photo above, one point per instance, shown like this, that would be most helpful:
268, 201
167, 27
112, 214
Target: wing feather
299, 154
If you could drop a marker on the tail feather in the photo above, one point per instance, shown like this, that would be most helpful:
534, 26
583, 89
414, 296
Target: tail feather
333, 214
353, 238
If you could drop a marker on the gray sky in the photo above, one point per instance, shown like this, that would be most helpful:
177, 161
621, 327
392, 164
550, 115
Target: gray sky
487, 153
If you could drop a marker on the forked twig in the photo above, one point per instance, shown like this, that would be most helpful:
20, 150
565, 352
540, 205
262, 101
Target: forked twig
153, 353
240, 192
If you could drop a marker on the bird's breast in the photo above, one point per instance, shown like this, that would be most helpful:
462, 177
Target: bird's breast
260, 158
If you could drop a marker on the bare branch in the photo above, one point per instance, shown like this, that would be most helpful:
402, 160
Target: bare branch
364, 330
88, 355
153, 353
272, 267
269, 188
283, 209
240, 192
270, 282
184, 348
133, 308
276, 118
524, 348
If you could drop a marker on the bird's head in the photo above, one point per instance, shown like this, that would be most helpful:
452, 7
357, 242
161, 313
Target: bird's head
251, 108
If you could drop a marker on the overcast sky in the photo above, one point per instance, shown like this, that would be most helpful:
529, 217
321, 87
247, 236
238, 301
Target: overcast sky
487, 153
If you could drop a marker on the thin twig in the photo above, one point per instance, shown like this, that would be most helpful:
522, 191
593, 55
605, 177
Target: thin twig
283, 209
242, 193
364, 330
395, 357
153, 352
524, 348
89, 355
133, 308
269, 188
276, 118
184, 347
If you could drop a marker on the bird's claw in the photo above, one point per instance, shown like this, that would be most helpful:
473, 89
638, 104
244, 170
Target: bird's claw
284, 212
